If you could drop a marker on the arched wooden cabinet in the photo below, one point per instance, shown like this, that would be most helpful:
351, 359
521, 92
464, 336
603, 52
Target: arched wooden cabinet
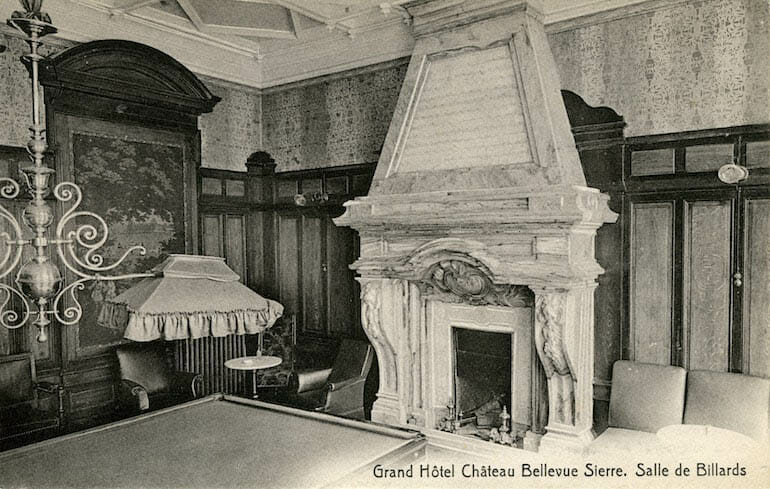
122, 122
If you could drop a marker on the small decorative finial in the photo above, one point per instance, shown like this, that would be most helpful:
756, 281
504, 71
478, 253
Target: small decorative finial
31, 11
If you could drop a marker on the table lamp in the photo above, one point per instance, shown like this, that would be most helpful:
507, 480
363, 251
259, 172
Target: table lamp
189, 296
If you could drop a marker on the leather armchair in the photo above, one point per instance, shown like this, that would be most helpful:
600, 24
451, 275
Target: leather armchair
338, 390
24, 415
147, 381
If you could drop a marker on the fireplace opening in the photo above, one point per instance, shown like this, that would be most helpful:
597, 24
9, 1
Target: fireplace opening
482, 384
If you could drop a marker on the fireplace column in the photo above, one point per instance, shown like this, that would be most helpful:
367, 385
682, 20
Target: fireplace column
390, 315
564, 340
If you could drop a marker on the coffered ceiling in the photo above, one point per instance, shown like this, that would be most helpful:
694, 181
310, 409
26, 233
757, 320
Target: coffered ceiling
262, 43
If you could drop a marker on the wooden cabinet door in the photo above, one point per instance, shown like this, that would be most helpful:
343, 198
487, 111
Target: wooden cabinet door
651, 276
699, 280
752, 280
707, 288
314, 279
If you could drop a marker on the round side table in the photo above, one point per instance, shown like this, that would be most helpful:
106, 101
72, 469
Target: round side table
255, 363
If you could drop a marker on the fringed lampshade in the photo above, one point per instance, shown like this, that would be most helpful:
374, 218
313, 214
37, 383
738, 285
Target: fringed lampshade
189, 296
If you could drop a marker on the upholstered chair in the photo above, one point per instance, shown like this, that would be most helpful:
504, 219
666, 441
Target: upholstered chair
147, 381
731, 401
338, 390
643, 398
646, 397
25, 415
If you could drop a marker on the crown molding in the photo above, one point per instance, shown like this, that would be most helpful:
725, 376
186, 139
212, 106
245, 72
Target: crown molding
376, 35
370, 68
592, 14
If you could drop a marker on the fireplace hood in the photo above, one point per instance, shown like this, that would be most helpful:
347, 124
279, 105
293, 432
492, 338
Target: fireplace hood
479, 175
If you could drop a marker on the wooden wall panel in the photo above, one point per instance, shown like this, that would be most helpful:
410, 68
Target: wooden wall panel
651, 284
341, 251
288, 262
212, 235
235, 244
314, 269
255, 244
756, 283
706, 273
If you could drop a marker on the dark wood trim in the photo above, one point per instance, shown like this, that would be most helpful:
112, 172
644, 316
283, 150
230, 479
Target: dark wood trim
735, 342
129, 72
690, 138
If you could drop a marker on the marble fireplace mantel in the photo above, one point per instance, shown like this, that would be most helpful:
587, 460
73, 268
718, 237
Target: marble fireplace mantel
479, 194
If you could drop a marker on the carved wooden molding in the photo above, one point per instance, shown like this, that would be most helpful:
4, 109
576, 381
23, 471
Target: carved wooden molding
458, 281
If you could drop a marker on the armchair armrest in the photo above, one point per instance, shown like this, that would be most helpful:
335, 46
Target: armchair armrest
337, 386
134, 391
345, 397
309, 380
187, 383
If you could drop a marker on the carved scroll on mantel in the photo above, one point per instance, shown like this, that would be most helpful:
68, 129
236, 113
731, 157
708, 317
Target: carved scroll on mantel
458, 281
564, 342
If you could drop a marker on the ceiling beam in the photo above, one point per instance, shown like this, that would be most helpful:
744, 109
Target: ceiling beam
331, 24
132, 5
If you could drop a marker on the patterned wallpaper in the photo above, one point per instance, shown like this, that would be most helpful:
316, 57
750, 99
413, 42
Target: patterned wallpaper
697, 65
228, 135
332, 121
16, 92
233, 130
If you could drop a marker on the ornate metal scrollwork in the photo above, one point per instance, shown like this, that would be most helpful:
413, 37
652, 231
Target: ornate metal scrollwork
459, 281
38, 280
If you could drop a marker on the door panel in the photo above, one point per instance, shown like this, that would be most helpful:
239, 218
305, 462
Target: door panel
707, 284
651, 281
756, 286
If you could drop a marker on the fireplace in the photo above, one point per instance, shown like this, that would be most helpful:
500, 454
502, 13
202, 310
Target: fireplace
478, 217
482, 375
477, 352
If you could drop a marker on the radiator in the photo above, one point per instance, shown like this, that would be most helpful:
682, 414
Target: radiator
207, 356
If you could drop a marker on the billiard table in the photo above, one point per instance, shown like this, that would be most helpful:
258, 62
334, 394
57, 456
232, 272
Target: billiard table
216, 441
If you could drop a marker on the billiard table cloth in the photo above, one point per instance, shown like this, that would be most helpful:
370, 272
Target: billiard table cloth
217, 441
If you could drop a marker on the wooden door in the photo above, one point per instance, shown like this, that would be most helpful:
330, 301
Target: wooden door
681, 292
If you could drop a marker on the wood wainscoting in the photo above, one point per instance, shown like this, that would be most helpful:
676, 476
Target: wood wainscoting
276, 231
686, 278
697, 250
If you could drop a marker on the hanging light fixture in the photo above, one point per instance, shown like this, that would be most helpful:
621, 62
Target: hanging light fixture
38, 280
